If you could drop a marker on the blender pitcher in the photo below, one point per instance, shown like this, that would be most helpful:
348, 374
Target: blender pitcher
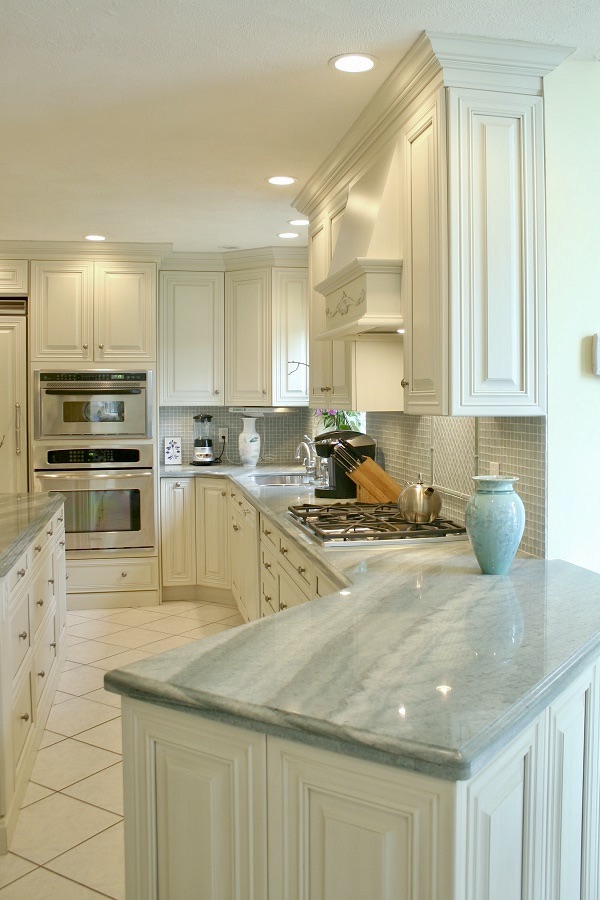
204, 454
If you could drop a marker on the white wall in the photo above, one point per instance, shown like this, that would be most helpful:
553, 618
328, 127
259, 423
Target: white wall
572, 104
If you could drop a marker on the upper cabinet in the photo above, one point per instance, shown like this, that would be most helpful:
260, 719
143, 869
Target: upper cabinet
266, 336
13, 277
463, 118
93, 311
191, 329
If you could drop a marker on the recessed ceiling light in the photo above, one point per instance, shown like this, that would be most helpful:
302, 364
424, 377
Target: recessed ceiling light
281, 179
95, 237
288, 234
353, 62
299, 222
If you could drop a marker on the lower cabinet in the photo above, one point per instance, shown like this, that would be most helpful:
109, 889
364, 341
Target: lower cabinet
213, 811
243, 519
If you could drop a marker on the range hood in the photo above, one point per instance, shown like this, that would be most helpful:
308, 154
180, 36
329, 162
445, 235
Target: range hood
362, 289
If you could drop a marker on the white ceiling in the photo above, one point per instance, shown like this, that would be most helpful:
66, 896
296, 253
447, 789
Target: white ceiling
159, 120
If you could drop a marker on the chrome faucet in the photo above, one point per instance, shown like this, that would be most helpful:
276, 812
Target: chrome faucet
309, 459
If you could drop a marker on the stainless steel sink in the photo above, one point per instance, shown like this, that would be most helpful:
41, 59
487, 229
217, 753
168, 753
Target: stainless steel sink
279, 479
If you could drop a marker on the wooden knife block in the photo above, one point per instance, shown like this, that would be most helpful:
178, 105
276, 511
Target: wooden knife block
374, 485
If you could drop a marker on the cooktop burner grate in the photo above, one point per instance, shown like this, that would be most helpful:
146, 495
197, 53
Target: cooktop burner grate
352, 522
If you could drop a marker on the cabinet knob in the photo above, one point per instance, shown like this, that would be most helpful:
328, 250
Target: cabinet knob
239, 503
325, 390
51, 581
283, 550
40, 603
123, 574
62, 543
264, 391
100, 346
223, 493
85, 346
404, 383
267, 598
217, 391
23, 635
236, 527
267, 565
282, 605
53, 645
60, 518
21, 573
25, 717
301, 570
177, 484
41, 674
266, 532
37, 548
50, 532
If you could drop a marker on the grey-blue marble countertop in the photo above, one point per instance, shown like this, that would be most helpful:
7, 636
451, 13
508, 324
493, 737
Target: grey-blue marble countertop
21, 517
421, 662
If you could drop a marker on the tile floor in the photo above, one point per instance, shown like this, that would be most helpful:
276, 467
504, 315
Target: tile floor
68, 844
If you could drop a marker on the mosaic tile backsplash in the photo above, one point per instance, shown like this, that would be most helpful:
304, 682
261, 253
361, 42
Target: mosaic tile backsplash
448, 451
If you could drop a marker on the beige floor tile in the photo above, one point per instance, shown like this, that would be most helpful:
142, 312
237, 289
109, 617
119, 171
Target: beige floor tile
133, 617
81, 681
57, 824
98, 863
172, 607
49, 738
34, 793
70, 761
91, 651
204, 631
168, 643
172, 625
132, 638
73, 618
98, 613
235, 619
104, 789
97, 628
208, 614
60, 697
107, 736
69, 664
73, 639
13, 867
121, 659
103, 696
78, 715
44, 885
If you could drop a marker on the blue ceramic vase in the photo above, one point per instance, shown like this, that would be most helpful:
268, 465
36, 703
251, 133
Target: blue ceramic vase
495, 519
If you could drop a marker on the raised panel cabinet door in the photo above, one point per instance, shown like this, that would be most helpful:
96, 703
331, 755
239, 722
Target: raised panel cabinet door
178, 531
319, 372
212, 532
13, 405
424, 282
61, 316
125, 311
14, 280
191, 338
195, 807
348, 829
290, 336
248, 337
250, 558
496, 222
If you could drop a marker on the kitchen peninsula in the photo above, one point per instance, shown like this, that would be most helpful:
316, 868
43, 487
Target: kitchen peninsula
427, 732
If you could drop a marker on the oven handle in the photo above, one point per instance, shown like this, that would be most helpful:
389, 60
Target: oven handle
93, 392
90, 474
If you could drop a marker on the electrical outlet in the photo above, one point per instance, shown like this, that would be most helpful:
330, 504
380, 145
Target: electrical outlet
494, 468
224, 434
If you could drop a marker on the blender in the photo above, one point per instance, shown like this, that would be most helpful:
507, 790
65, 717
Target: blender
204, 454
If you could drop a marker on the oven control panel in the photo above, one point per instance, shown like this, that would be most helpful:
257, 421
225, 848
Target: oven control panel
87, 455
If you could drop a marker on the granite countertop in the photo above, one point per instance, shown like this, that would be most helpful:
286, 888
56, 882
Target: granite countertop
421, 663
21, 517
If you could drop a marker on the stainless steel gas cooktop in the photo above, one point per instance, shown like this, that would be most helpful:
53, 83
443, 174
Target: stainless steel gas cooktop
352, 524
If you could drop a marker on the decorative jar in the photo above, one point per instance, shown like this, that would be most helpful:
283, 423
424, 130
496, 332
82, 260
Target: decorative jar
249, 442
495, 519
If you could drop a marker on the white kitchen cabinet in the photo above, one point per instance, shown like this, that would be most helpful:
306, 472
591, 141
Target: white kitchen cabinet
212, 533
266, 337
13, 404
178, 531
93, 311
191, 339
14, 280
32, 652
248, 337
244, 550
195, 797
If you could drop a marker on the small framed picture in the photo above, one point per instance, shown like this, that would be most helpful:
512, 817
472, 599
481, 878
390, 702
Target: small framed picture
173, 451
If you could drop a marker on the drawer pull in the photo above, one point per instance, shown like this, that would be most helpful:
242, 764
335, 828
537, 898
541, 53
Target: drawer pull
301, 570
267, 565
53, 645
266, 532
282, 605
39, 603
236, 527
41, 674
25, 717
283, 550
62, 543
21, 573
37, 548
123, 574
51, 581
67, 577
60, 518
267, 598
239, 503
50, 532
23, 635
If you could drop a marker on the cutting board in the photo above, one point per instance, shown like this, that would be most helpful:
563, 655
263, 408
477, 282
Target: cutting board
374, 485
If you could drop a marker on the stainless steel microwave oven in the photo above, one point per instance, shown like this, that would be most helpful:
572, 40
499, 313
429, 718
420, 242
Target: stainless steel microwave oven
93, 403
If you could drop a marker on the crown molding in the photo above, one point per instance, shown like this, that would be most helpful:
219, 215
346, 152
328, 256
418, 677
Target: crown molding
292, 257
83, 250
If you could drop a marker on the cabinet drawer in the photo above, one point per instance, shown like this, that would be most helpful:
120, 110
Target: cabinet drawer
324, 584
298, 567
20, 632
19, 572
269, 534
42, 538
22, 717
42, 592
269, 581
120, 575
290, 593
45, 657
